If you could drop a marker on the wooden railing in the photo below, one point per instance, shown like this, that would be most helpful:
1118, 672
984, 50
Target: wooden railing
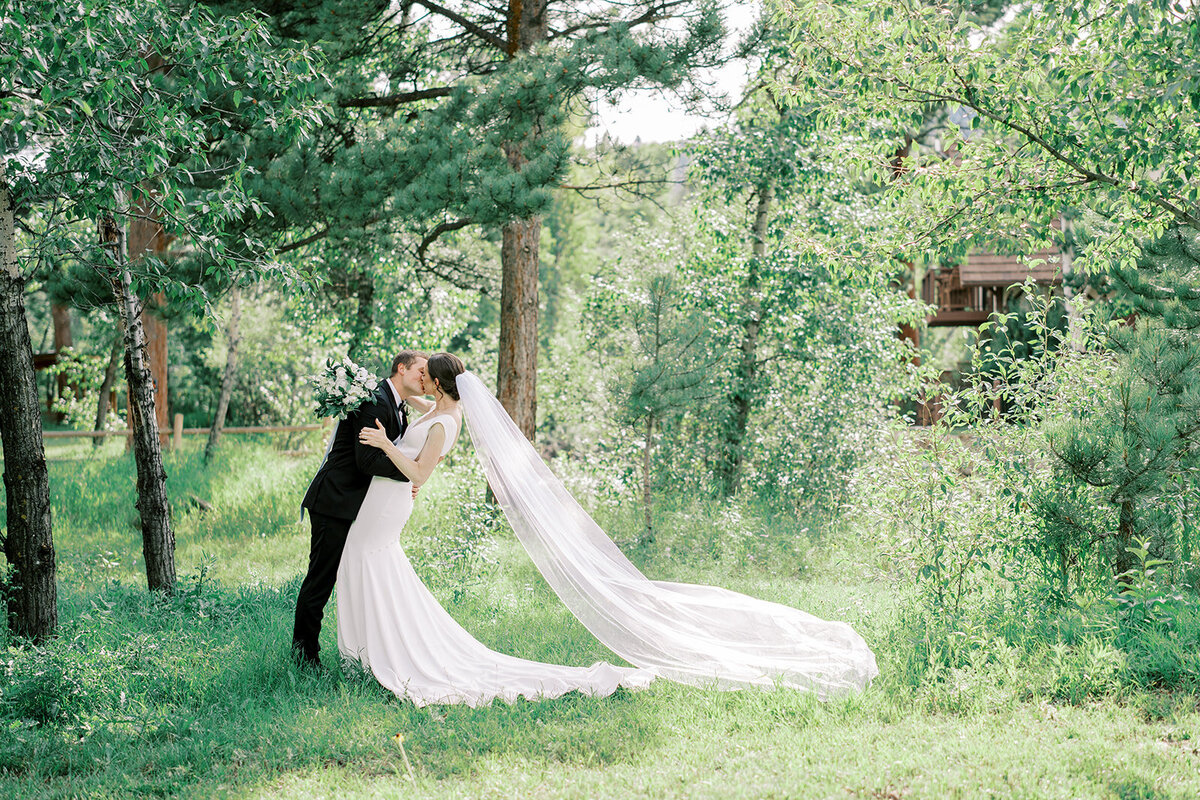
957, 304
177, 432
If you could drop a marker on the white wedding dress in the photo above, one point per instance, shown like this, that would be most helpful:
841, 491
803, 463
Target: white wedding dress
388, 621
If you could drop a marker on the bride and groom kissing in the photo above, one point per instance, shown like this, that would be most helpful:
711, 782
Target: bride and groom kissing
389, 622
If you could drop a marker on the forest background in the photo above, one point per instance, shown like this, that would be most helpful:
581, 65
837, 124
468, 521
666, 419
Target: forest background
717, 343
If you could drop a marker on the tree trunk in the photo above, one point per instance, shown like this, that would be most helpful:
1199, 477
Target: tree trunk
1124, 560
110, 375
1075, 334
154, 329
364, 314
158, 540
28, 542
741, 398
516, 380
233, 334
908, 332
647, 494
61, 317
146, 236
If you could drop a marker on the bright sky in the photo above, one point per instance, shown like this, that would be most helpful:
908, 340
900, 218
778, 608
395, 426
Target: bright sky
656, 116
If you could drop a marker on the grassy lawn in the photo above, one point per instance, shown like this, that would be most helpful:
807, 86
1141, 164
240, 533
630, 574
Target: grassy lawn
196, 697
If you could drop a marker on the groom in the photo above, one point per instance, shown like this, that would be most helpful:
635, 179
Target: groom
336, 493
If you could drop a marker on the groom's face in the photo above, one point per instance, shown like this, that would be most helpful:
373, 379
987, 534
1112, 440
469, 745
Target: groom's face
412, 377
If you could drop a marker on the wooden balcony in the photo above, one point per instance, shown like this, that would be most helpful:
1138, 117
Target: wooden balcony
958, 304
969, 293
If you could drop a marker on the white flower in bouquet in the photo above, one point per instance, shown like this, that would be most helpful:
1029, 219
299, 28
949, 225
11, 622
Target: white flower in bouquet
341, 388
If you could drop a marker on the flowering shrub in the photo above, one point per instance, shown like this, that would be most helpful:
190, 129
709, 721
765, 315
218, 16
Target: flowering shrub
341, 387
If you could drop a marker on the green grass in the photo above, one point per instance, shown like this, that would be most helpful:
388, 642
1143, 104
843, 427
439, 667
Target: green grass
195, 696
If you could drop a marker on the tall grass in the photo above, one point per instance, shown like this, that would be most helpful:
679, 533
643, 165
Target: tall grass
195, 695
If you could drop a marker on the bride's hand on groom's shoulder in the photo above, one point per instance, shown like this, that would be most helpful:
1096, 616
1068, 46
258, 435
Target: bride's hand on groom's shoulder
374, 437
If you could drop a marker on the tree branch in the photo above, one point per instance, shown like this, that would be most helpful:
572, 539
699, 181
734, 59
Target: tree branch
595, 187
656, 13
969, 100
393, 100
287, 248
466, 24
433, 235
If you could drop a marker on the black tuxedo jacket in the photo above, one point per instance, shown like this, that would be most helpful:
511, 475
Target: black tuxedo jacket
341, 483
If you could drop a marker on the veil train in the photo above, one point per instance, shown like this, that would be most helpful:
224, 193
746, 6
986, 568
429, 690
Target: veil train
685, 632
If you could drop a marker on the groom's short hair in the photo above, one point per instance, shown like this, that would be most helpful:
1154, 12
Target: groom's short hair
406, 358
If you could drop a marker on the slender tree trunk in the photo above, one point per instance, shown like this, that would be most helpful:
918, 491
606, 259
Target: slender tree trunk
364, 316
146, 236
516, 380
61, 317
1126, 521
906, 331
233, 334
28, 541
154, 330
741, 398
647, 485
158, 539
1074, 315
110, 376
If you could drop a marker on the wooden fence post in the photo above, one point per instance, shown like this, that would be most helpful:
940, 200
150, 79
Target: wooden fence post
177, 432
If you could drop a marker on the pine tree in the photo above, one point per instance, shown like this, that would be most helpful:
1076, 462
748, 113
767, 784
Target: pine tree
445, 116
1145, 435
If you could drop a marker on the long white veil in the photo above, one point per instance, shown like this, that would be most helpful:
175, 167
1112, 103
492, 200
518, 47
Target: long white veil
688, 633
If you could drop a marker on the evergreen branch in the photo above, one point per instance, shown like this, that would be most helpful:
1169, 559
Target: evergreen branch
466, 24
595, 187
287, 248
393, 100
632, 187
433, 235
655, 13
461, 275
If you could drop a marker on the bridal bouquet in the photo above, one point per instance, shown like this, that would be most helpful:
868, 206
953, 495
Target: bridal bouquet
341, 387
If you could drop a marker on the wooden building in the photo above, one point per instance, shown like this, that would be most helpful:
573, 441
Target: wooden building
969, 293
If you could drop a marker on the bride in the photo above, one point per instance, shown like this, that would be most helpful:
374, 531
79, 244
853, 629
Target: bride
390, 622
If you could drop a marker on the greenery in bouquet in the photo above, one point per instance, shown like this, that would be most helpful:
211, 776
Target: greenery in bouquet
341, 387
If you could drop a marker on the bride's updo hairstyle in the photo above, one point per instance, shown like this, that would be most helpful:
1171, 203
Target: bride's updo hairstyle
445, 369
